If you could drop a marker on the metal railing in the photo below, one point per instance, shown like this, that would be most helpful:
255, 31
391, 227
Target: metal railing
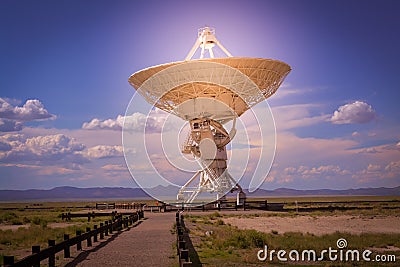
181, 246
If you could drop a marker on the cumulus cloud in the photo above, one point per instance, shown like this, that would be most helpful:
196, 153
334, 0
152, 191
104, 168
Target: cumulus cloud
375, 172
101, 151
393, 167
369, 150
307, 172
32, 110
5, 146
374, 168
53, 145
135, 122
40, 148
12, 117
326, 170
357, 112
109, 124
7, 125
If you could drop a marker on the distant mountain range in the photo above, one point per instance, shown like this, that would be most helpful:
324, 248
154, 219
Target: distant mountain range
380, 191
70, 193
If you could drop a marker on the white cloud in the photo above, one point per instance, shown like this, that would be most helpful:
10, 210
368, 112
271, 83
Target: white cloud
135, 122
109, 124
32, 110
100, 152
40, 148
357, 112
369, 150
374, 168
320, 171
53, 145
12, 117
375, 172
393, 168
7, 125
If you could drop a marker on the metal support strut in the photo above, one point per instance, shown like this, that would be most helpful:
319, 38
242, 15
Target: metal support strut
207, 142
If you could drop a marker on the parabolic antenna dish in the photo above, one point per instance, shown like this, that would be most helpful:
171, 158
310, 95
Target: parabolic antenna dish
208, 93
238, 82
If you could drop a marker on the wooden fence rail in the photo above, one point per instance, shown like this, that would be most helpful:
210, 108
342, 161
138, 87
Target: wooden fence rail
38, 255
124, 206
91, 215
216, 205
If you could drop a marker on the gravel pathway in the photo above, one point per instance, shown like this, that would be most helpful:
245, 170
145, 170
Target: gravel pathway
148, 244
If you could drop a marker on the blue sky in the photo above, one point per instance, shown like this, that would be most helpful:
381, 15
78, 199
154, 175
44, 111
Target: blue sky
65, 63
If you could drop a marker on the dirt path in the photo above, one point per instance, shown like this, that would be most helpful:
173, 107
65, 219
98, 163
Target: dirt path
148, 244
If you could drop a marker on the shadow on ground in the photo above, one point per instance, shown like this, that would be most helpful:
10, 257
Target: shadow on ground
194, 257
83, 255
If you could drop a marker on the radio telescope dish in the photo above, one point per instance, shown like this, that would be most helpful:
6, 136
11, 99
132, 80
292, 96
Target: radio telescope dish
208, 93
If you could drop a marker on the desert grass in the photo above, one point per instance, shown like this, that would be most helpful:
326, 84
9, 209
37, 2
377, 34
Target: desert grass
368, 206
35, 221
36, 235
220, 244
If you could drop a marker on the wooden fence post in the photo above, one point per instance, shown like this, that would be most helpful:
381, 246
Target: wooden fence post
8, 261
106, 228
101, 231
182, 244
79, 244
184, 254
95, 233
89, 238
110, 223
35, 250
52, 257
117, 225
67, 253
180, 231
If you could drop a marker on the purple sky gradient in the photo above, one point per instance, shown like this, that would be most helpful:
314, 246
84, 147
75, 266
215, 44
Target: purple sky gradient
337, 113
